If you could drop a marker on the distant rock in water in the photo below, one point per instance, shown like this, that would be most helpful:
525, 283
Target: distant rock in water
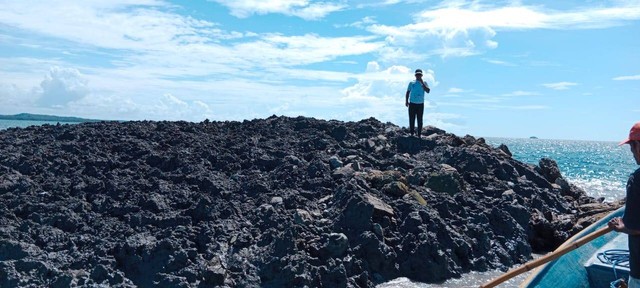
276, 202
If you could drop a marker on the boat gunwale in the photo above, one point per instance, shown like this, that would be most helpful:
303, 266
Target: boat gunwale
540, 271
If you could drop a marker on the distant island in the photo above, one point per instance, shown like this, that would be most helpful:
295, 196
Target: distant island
38, 117
533, 137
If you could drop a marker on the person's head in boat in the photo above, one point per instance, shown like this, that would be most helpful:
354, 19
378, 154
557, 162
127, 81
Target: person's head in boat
634, 141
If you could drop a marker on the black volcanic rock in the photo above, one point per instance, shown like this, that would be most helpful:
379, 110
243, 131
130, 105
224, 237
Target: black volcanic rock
269, 203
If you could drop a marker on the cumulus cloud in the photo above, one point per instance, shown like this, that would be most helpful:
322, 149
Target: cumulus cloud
560, 85
377, 83
380, 93
61, 86
171, 107
299, 8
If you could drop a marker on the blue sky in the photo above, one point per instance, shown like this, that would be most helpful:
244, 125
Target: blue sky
552, 69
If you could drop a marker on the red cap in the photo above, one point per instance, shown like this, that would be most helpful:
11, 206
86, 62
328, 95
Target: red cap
634, 134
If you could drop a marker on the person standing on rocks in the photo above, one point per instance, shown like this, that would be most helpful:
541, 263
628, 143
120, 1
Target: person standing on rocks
630, 221
414, 100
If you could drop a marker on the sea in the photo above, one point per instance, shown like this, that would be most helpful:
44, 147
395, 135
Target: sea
601, 168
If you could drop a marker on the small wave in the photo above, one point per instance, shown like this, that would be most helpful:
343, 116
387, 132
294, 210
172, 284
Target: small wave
610, 190
468, 280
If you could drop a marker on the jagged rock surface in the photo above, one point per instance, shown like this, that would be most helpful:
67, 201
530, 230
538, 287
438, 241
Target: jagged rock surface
269, 203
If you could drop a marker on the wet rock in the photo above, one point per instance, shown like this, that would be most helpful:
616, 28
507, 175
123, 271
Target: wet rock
505, 150
549, 169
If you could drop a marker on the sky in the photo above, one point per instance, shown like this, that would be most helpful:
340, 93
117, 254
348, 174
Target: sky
515, 68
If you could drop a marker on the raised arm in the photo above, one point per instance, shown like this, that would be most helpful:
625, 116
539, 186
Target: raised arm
424, 86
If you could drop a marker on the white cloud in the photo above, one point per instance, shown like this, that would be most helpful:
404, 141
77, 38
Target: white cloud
279, 50
473, 16
623, 78
300, 8
465, 28
456, 90
369, 20
560, 85
450, 122
141, 26
392, 55
500, 62
491, 44
492, 105
13, 98
61, 86
368, 3
120, 107
521, 93
150, 38
380, 93
530, 107
377, 83
171, 107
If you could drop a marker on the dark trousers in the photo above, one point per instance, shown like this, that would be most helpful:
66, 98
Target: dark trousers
415, 110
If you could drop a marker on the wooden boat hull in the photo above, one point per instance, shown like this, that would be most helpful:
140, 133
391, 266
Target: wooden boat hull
569, 270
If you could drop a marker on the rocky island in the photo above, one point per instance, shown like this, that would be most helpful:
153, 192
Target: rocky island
40, 117
276, 202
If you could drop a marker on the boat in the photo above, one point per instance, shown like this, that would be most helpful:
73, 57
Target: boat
585, 265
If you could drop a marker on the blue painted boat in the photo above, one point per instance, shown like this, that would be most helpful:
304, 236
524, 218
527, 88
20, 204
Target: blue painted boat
582, 267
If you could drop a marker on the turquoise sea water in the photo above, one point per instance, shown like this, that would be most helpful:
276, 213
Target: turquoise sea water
600, 168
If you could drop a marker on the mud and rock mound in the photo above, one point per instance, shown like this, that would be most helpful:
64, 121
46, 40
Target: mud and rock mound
277, 202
